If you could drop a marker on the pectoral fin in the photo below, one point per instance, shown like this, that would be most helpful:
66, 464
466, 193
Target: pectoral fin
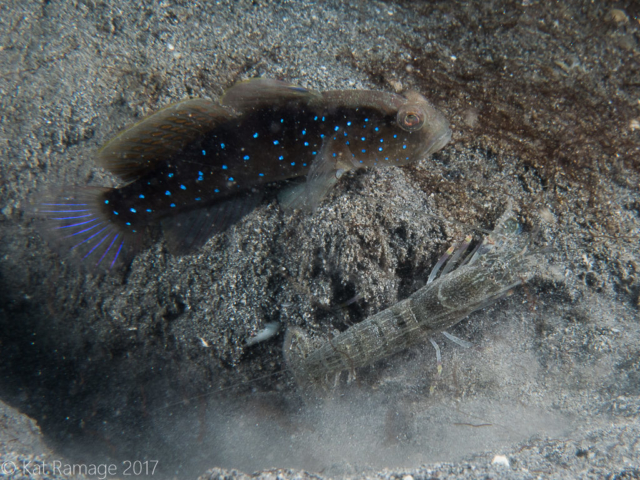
329, 165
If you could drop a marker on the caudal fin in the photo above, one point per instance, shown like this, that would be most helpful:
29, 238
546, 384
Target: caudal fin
76, 223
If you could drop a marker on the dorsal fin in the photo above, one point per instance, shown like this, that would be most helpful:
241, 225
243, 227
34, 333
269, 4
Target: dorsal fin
388, 103
265, 92
160, 136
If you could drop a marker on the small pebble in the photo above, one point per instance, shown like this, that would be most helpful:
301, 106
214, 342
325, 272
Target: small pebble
500, 460
618, 16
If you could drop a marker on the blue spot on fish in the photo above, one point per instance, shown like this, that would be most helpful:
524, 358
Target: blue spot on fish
182, 187
168, 193
336, 128
404, 147
222, 145
366, 119
106, 202
364, 151
276, 142
376, 129
280, 157
217, 190
379, 149
140, 196
255, 135
129, 223
170, 175
306, 144
363, 139
115, 213
246, 157
198, 199
304, 132
133, 210
231, 179
204, 152
348, 124
293, 164
149, 210
173, 205
261, 174
224, 167
315, 118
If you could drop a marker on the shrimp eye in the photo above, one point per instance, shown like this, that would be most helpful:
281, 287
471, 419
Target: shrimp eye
410, 119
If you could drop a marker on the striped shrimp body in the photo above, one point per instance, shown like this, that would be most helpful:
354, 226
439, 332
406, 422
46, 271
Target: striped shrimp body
500, 263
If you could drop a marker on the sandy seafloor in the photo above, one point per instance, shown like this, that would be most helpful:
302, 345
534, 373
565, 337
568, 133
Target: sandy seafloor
150, 363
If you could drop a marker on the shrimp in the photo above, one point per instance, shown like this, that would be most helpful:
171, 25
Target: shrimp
501, 262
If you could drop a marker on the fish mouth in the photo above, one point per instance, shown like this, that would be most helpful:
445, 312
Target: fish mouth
438, 142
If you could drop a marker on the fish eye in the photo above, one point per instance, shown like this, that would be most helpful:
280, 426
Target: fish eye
410, 119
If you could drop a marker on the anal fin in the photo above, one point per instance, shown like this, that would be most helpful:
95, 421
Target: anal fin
185, 232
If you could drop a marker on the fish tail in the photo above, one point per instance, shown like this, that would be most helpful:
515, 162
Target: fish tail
76, 222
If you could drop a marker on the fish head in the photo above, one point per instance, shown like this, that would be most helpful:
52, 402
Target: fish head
383, 129
428, 127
